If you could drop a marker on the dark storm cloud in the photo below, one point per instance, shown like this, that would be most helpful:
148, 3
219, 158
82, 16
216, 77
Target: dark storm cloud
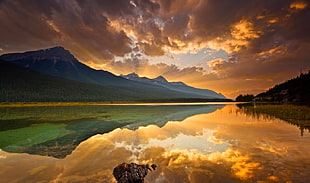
177, 26
194, 21
280, 50
24, 25
273, 45
83, 28
214, 18
265, 37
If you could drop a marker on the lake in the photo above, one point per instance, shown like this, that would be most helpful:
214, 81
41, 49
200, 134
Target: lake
202, 142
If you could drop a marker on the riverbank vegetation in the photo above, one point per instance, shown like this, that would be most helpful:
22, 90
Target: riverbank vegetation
293, 114
176, 100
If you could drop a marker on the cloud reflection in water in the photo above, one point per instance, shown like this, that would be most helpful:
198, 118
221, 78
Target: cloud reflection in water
223, 146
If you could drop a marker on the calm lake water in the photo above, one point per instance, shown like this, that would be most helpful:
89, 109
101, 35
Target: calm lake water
189, 143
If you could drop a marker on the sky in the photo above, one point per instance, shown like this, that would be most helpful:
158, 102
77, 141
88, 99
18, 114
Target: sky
230, 46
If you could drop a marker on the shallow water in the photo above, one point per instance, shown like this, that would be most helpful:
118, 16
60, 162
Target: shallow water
189, 143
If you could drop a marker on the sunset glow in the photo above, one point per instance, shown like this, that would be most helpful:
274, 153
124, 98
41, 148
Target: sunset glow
227, 46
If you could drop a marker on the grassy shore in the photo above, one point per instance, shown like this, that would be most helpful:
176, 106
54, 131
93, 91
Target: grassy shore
177, 100
40, 104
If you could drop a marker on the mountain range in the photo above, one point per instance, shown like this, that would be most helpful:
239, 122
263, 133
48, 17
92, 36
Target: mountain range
18, 84
59, 66
175, 86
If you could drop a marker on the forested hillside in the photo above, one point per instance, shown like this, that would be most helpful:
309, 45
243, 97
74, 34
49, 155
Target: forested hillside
18, 84
296, 91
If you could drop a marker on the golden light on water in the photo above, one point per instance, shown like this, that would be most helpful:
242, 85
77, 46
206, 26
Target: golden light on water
226, 145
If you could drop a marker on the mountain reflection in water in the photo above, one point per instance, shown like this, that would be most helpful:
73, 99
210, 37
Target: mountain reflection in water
222, 146
56, 131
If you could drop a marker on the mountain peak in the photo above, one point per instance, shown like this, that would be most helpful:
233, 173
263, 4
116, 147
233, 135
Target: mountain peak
175, 86
131, 76
135, 75
161, 79
55, 53
56, 49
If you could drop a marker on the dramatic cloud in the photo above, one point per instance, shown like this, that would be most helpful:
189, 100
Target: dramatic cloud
266, 41
82, 28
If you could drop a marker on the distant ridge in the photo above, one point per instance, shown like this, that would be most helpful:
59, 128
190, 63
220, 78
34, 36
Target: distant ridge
176, 86
59, 62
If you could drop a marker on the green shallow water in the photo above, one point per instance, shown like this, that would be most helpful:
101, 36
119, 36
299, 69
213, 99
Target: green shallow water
57, 130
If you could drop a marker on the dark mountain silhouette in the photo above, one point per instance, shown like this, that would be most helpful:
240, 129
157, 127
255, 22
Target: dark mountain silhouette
175, 86
296, 91
18, 84
61, 63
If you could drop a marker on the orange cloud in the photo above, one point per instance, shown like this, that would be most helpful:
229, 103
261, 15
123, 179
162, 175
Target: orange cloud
244, 30
299, 5
215, 62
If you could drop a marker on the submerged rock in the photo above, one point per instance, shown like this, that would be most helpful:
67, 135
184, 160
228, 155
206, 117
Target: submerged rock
131, 173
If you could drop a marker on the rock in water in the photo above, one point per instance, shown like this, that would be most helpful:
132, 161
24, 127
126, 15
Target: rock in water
131, 173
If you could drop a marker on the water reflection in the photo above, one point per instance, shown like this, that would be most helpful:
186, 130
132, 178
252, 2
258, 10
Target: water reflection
57, 130
293, 114
223, 146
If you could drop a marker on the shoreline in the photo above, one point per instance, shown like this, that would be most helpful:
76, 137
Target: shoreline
46, 104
